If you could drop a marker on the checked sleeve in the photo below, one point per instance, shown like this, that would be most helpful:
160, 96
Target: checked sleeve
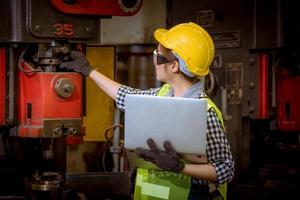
218, 149
123, 90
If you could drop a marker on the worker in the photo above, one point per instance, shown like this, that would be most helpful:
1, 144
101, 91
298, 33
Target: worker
182, 60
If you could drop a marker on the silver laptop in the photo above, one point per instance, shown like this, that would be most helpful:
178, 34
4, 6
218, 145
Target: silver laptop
182, 121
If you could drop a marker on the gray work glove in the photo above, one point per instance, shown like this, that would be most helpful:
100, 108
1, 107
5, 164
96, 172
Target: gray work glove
79, 63
166, 160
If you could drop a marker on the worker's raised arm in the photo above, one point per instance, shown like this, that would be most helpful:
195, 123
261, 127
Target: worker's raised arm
81, 64
109, 86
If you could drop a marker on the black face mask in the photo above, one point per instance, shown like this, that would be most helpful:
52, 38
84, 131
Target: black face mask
160, 59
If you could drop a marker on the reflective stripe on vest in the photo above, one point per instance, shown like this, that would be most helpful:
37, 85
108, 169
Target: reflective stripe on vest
153, 184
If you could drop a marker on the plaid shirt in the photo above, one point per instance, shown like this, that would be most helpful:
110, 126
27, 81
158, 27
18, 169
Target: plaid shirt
217, 149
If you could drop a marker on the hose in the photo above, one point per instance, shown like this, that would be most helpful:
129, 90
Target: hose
101, 153
20, 67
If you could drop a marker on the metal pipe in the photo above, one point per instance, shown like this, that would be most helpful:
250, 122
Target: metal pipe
224, 103
254, 24
11, 87
116, 142
273, 77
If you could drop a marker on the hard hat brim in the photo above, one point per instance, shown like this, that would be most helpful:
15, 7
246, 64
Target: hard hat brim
161, 37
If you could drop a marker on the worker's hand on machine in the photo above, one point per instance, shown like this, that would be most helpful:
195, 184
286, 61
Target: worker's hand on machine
79, 63
167, 160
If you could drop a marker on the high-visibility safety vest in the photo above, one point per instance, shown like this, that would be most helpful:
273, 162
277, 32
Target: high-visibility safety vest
152, 184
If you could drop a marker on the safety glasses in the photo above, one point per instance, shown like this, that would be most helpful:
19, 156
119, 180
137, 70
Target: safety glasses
160, 59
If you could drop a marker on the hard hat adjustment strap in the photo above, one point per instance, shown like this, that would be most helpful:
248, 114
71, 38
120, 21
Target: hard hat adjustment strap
183, 66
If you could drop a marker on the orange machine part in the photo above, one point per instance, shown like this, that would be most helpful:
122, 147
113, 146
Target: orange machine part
38, 101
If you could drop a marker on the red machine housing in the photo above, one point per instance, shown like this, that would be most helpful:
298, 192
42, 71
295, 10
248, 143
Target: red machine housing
2, 85
98, 7
288, 103
42, 111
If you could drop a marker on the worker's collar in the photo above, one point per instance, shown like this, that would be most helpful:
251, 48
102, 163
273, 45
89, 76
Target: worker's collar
193, 92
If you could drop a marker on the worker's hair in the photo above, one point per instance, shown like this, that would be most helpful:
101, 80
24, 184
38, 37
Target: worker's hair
168, 54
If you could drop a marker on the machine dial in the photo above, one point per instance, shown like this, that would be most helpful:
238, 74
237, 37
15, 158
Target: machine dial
64, 87
129, 6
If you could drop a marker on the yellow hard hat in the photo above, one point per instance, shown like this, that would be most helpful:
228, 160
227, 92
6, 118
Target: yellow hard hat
191, 43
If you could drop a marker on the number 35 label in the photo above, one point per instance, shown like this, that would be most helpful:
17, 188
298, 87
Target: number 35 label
62, 30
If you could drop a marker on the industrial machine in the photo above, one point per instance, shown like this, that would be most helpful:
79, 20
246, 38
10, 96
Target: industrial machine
256, 66
42, 106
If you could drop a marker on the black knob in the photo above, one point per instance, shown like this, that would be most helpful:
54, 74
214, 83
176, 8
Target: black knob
129, 3
70, 1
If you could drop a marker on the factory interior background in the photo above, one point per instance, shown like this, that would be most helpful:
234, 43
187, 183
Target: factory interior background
254, 80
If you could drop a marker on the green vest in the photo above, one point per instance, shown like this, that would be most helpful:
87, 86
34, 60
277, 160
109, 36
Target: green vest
154, 184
